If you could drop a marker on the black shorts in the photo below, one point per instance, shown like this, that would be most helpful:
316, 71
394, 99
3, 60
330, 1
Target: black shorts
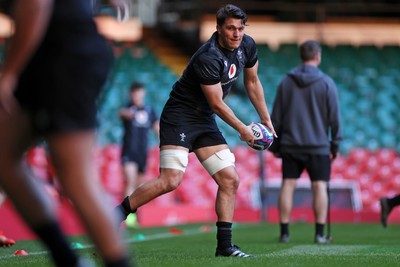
179, 131
317, 166
59, 88
139, 158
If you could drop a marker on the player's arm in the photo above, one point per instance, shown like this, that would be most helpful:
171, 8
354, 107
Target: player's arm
30, 23
255, 92
156, 128
214, 94
334, 120
126, 113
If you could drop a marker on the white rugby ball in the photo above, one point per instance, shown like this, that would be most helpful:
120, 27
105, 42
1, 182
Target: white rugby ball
263, 137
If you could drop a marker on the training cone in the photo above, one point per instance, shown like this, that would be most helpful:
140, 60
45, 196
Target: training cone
21, 252
139, 237
205, 228
175, 231
76, 245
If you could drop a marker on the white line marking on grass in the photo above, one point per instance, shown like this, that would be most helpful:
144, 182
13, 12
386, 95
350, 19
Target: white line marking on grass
328, 250
310, 250
126, 240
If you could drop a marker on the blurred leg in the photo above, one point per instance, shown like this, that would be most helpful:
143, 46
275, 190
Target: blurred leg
73, 156
285, 201
130, 170
25, 192
320, 201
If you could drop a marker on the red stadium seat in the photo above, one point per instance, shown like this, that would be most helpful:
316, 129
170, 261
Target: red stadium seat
112, 152
395, 164
358, 155
385, 155
112, 177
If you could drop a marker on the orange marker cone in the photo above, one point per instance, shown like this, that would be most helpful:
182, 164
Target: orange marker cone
21, 252
175, 231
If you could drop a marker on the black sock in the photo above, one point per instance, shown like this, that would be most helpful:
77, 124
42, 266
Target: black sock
284, 229
54, 239
125, 208
319, 229
224, 235
124, 262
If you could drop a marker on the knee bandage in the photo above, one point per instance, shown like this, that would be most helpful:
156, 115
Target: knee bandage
219, 161
174, 159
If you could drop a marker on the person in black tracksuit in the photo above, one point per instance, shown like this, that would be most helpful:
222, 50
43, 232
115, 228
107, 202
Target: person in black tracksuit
188, 124
307, 121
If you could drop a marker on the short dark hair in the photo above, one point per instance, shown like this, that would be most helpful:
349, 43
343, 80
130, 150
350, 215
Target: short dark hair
230, 11
309, 49
136, 86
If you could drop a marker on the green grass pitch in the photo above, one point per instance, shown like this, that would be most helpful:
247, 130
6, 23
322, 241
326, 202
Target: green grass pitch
194, 245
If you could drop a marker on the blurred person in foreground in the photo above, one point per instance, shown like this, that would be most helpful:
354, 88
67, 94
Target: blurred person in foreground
188, 124
55, 66
138, 119
387, 204
307, 120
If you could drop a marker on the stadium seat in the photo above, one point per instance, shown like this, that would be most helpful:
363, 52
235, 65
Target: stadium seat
367, 79
358, 156
386, 156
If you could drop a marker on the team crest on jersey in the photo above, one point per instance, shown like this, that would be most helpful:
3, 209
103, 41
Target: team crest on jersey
240, 54
141, 116
232, 71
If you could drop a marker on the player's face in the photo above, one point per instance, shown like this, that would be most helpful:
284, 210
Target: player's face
231, 33
137, 96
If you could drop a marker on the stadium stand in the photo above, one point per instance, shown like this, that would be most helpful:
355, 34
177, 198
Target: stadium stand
368, 81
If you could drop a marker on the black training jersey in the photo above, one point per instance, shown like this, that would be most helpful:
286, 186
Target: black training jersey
211, 64
136, 130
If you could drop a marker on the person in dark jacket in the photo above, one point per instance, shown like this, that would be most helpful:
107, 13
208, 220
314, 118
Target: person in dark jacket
306, 119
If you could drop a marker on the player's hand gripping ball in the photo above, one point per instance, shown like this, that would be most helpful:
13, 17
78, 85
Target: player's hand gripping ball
263, 137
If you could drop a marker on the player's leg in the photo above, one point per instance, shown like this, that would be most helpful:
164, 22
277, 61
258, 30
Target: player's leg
318, 167
320, 206
173, 162
292, 167
130, 171
25, 192
285, 204
73, 157
219, 161
387, 204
